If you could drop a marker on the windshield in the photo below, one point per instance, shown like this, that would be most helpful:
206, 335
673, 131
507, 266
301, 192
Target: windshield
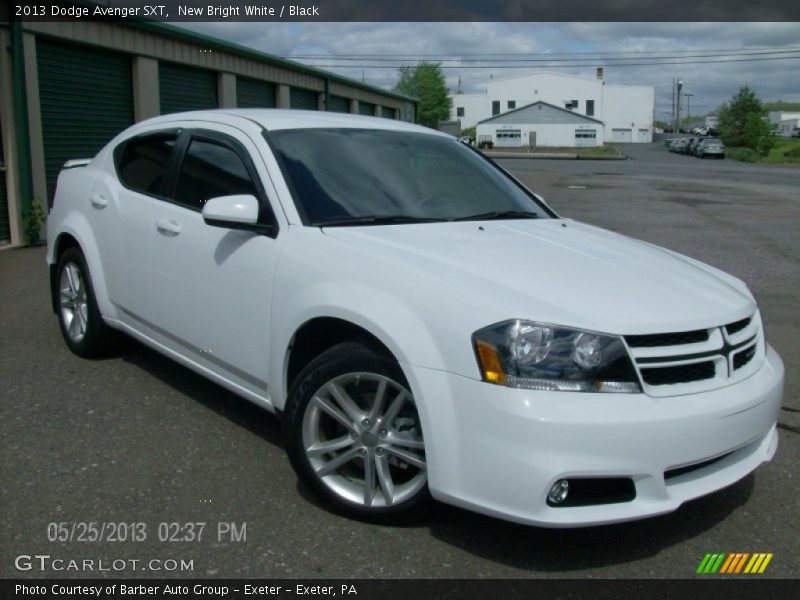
709, 141
368, 176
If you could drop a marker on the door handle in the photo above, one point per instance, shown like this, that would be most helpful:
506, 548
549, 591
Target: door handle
168, 227
98, 201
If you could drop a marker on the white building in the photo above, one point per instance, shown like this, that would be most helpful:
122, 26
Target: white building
625, 112
785, 122
540, 124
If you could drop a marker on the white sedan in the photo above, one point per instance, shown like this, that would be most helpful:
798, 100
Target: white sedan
424, 324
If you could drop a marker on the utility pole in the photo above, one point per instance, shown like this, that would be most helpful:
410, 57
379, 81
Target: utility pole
672, 116
688, 111
678, 106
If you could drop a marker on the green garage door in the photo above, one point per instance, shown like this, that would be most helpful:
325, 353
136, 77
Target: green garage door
185, 88
387, 113
86, 99
303, 99
366, 108
252, 93
4, 231
338, 104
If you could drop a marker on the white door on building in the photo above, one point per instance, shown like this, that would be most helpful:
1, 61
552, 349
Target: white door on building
621, 135
644, 136
507, 138
585, 137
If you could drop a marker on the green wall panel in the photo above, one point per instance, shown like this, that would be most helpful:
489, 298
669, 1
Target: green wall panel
186, 88
303, 99
338, 104
252, 93
86, 98
366, 108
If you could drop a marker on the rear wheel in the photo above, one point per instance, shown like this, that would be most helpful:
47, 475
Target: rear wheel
81, 323
353, 434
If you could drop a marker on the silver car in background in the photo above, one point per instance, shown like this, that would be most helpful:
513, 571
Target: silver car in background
710, 147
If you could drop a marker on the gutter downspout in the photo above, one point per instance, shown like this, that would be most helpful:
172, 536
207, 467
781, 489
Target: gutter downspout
21, 117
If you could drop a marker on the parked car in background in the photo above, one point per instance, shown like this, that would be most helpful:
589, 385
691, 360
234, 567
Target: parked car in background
710, 147
678, 145
690, 146
360, 277
658, 130
668, 142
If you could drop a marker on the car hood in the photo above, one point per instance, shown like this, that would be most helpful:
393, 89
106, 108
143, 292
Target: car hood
560, 271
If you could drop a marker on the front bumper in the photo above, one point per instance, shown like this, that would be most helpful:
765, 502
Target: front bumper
497, 450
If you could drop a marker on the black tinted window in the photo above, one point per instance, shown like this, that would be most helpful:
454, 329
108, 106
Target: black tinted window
210, 170
144, 162
344, 173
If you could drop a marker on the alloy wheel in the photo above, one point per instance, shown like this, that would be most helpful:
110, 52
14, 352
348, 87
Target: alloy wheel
73, 302
362, 437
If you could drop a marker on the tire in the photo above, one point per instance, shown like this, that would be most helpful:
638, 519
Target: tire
82, 325
367, 462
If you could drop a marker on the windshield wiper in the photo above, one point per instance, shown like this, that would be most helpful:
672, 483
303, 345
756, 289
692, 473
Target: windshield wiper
375, 220
499, 214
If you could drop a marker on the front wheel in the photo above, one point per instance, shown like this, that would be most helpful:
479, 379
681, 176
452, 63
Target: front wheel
353, 434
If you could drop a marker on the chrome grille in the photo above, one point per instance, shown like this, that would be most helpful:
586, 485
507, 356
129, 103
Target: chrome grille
737, 326
740, 359
697, 360
680, 373
667, 339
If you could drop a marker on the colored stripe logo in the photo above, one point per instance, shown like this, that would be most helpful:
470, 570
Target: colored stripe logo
735, 562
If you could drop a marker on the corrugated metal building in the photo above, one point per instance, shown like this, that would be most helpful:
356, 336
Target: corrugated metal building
66, 88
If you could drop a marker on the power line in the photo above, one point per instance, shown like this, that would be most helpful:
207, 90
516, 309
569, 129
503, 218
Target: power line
537, 60
766, 50
564, 66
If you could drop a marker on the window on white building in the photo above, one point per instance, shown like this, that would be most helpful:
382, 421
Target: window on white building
495, 107
590, 108
460, 111
570, 104
512, 104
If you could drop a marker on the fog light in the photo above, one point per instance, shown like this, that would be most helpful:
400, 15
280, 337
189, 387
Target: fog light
558, 493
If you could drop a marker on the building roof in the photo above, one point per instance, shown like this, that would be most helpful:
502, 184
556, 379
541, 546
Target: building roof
218, 44
223, 46
517, 116
511, 77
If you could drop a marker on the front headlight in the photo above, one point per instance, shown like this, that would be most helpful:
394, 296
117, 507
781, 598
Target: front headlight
538, 356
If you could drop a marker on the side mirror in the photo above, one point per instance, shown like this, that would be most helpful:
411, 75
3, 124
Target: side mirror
232, 212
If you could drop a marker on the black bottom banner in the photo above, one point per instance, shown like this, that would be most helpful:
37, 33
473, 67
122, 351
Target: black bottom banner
383, 589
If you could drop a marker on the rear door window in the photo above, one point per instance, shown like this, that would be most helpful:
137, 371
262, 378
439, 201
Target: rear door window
145, 161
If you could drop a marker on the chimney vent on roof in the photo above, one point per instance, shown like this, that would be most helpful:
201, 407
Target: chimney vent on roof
599, 72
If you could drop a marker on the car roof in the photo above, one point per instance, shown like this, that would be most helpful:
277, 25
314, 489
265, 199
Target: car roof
274, 119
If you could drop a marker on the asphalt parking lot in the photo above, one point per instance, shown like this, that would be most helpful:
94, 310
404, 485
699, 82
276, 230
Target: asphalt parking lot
137, 438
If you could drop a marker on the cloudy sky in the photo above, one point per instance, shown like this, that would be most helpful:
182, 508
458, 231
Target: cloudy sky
711, 84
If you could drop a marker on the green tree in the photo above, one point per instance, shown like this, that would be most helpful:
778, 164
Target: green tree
742, 123
426, 82
781, 105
